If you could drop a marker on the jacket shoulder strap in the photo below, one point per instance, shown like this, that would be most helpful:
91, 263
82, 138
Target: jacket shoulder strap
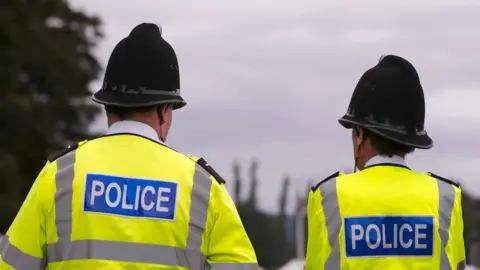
204, 164
451, 182
314, 188
58, 154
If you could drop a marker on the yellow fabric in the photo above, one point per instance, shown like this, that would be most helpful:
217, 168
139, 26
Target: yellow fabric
28, 230
129, 156
228, 240
317, 242
456, 246
227, 219
383, 190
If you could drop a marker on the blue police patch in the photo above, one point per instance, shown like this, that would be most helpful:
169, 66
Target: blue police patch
130, 197
381, 236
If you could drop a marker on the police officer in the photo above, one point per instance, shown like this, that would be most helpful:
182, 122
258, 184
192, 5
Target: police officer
386, 216
126, 200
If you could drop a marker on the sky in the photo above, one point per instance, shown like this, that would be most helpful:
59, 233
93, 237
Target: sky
268, 80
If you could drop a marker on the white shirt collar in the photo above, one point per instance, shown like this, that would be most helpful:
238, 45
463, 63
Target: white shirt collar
398, 160
134, 127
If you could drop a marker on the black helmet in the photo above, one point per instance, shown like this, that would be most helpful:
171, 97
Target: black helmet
142, 71
388, 100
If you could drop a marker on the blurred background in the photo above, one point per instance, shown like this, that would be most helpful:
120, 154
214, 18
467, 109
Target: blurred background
265, 82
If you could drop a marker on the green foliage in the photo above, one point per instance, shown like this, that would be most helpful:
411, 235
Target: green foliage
266, 231
237, 181
284, 195
471, 221
267, 235
252, 199
46, 65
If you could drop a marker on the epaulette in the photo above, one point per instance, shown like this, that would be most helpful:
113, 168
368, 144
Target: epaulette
56, 155
451, 182
314, 188
210, 170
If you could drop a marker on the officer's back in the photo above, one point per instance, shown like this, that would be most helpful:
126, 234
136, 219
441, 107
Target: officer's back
386, 216
133, 189
126, 200
132, 199
389, 217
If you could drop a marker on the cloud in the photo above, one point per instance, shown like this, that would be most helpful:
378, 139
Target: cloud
367, 35
269, 79
461, 103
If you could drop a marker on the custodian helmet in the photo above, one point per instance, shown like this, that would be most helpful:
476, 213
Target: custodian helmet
388, 100
142, 71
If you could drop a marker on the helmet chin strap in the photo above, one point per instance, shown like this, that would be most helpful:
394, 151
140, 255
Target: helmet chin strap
161, 139
160, 123
359, 146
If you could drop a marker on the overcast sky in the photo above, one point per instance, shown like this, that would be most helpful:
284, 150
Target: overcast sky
269, 79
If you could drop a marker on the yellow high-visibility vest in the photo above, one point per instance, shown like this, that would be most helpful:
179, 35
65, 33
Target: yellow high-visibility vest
126, 202
385, 217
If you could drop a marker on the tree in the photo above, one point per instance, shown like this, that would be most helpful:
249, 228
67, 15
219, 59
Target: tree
46, 66
266, 231
252, 200
471, 221
237, 181
284, 195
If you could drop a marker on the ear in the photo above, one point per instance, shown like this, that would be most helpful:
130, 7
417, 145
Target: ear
165, 107
162, 109
359, 135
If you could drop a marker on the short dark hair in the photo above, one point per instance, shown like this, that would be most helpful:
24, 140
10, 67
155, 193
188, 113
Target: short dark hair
124, 113
386, 147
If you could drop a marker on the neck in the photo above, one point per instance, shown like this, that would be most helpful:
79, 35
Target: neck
152, 124
394, 159
361, 161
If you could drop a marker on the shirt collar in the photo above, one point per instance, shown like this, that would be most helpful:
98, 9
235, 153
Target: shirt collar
376, 160
134, 127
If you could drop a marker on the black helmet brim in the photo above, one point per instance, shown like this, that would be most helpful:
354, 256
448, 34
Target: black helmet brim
112, 99
419, 141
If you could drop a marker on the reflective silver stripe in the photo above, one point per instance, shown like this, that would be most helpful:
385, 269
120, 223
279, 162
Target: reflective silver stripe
446, 193
331, 209
18, 259
120, 251
63, 196
66, 249
200, 198
234, 266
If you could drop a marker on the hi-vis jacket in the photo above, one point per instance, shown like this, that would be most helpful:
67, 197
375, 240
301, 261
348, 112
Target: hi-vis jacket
385, 217
124, 201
